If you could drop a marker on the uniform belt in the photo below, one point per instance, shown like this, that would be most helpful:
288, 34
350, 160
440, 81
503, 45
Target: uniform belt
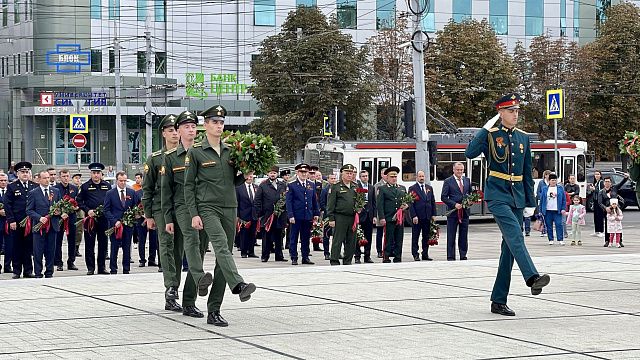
504, 176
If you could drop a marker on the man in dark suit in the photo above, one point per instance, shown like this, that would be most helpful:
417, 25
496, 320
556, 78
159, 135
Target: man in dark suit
246, 194
327, 232
142, 231
422, 211
44, 240
315, 177
302, 211
454, 189
116, 202
5, 244
366, 217
15, 206
268, 194
65, 188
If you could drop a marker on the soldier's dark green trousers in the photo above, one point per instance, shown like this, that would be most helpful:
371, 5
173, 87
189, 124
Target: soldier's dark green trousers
194, 246
509, 220
220, 227
343, 234
393, 236
171, 251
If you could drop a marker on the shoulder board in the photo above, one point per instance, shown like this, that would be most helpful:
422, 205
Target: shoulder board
522, 131
198, 144
170, 151
493, 129
159, 152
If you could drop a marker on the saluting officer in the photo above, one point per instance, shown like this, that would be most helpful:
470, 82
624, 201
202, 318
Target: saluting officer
302, 211
151, 201
92, 194
341, 214
508, 190
209, 189
388, 202
187, 240
15, 207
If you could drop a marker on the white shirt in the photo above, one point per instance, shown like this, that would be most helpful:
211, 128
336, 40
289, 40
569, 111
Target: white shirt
552, 198
42, 188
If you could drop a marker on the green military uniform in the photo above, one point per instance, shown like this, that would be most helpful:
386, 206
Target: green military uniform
170, 255
389, 200
508, 190
209, 184
340, 208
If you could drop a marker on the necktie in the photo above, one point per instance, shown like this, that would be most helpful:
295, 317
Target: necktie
2, 193
25, 185
422, 187
250, 189
460, 185
122, 198
46, 194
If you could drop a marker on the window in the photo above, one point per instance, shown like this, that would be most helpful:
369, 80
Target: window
563, 17
30, 9
429, 19
114, 9
161, 63
534, 18
307, 3
26, 62
347, 14
141, 10
16, 11
96, 60
581, 173
3, 67
31, 61
112, 61
159, 7
408, 166
576, 18
461, 10
96, 9
26, 10
5, 12
142, 61
542, 161
385, 14
264, 12
14, 64
499, 16
18, 67
444, 168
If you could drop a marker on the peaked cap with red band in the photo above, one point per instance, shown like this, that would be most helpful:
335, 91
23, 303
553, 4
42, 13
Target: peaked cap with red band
509, 101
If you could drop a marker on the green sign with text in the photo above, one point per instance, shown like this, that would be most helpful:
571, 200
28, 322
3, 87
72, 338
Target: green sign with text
200, 86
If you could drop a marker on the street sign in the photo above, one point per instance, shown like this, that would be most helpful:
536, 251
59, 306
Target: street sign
78, 124
555, 104
79, 141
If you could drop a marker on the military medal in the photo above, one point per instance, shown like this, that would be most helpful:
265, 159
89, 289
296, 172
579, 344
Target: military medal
521, 148
500, 142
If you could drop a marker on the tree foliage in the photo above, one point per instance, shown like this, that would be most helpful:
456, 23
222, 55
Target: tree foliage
467, 68
305, 70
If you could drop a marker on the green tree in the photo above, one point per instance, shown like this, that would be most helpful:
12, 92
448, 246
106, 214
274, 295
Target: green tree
466, 70
607, 82
305, 70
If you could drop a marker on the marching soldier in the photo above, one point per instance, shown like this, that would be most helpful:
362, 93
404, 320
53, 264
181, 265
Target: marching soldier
151, 201
388, 202
210, 179
302, 211
76, 180
268, 194
341, 214
65, 188
508, 190
92, 194
15, 207
187, 240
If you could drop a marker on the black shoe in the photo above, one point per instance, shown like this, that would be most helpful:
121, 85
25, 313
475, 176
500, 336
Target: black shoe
397, 260
193, 311
48, 276
107, 258
125, 272
294, 262
59, 268
159, 269
502, 309
78, 254
203, 285
185, 269
171, 293
243, 256
386, 261
621, 245
463, 258
130, 261
216, 319
379, 255
29, 276
103, 272
416, 258
89, 272
151, 263
244, 290
71, 267
357, 261
307, 262
208, 250
334, 262
606, 244
252, 255
15, 276
172, 305
113, 272
8, 270
264, 260
327, 257
142, 264
368, 260
527, 234
538, 283
283, 259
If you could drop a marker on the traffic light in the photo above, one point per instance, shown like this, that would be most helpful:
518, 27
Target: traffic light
342, 125
432, 146
327, 123
407, 118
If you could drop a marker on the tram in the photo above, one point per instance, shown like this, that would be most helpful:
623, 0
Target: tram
330, 154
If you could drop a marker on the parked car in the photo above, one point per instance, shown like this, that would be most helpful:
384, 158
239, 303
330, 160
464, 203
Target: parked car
626, 191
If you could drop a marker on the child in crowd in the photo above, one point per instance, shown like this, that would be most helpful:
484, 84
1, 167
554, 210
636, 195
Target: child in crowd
614, 223
575, 219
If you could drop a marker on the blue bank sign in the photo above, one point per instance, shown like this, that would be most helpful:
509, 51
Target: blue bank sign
68, 58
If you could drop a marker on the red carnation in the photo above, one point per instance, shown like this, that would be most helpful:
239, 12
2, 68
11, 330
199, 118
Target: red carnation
253, 146
361, 190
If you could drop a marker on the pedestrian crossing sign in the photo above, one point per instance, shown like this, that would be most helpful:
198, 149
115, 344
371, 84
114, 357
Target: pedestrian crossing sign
78, 124
555, 104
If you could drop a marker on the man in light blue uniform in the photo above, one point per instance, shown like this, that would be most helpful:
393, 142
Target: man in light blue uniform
508, 190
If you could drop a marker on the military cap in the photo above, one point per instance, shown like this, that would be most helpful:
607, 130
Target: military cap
553, 176
509, 101
77, 174
285, 172
274, 168
23, 166
96, 166
168, 121
347, 167
217, 112
302, 167
186, 117
391, 169
313, 168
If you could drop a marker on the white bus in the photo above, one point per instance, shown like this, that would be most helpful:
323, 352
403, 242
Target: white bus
329, 155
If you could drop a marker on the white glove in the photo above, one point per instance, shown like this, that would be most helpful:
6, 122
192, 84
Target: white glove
528, 211
491, 122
